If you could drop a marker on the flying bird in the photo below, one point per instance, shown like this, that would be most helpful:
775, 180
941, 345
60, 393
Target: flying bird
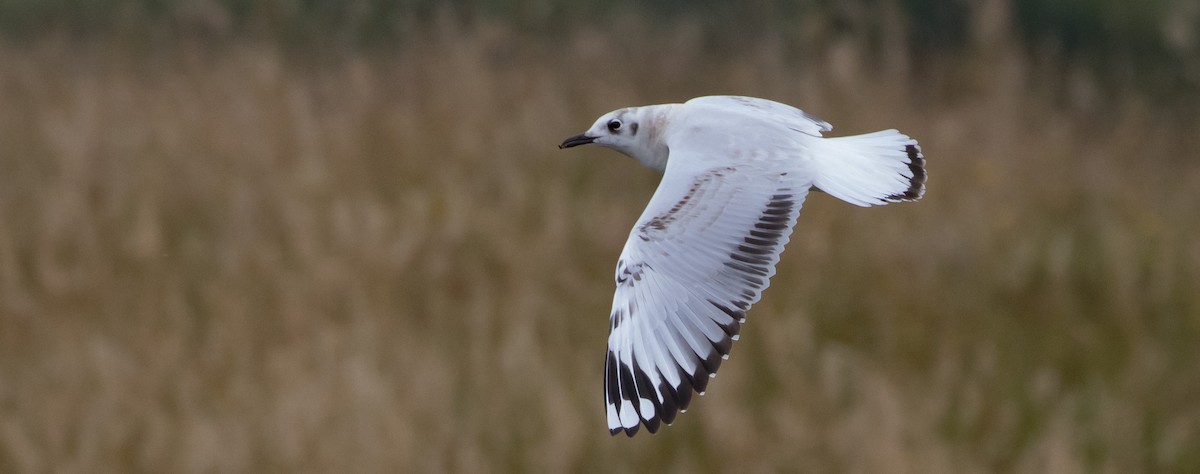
735, 173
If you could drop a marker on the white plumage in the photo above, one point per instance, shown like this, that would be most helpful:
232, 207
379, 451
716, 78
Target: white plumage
736, 172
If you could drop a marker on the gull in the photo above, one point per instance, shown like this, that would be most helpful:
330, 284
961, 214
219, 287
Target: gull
735, 173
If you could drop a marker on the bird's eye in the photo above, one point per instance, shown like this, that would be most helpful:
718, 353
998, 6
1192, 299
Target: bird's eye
614, 125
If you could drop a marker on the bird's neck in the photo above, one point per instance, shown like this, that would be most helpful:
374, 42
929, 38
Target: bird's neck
653, 151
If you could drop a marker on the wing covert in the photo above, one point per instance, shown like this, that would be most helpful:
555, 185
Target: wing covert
796, 119
698, 258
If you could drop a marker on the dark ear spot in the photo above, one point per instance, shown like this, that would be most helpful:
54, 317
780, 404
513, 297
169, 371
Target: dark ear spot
633, 127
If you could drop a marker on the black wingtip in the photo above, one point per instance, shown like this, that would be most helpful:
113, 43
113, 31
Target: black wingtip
652, 424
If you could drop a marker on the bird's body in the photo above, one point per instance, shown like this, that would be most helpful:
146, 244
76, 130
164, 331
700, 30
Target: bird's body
736, 172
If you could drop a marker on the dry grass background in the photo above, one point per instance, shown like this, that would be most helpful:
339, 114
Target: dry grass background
229, 259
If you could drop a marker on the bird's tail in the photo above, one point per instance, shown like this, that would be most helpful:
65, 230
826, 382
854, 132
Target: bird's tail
871, 169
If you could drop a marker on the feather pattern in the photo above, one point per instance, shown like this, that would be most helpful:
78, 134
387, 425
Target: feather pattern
736, 173
699, 257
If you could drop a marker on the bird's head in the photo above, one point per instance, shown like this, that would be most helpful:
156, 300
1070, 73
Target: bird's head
634, 131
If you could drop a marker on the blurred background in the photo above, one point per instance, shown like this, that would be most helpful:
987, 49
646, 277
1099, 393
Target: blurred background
312, 235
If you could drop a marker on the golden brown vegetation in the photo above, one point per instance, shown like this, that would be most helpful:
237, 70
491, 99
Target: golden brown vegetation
220, 259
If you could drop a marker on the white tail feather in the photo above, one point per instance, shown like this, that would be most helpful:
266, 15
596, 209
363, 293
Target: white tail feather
871, 169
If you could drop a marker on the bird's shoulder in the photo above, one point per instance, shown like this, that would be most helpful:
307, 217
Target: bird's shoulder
753, 110
717, 132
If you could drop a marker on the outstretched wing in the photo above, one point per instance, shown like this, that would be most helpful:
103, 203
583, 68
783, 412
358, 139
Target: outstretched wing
700, 255
796, 119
